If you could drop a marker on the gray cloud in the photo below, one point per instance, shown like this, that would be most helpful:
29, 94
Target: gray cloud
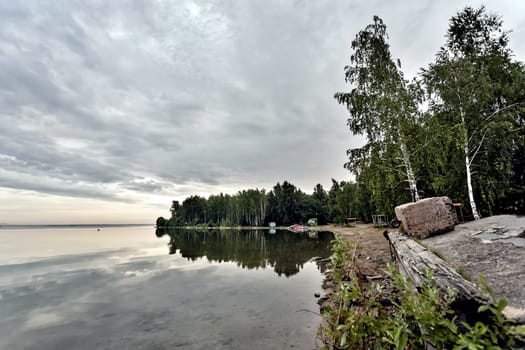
97, 98
147, 185
55, 186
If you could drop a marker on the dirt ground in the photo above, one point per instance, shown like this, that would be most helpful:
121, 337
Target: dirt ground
373, 252
372, 255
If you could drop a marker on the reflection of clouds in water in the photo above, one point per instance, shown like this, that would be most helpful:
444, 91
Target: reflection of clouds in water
26, 280
165, 266
137, 273
66, 312
63, 268
141, 266
129, 256
144, 299
153, 251
83, 291
37, 319
138, 267
158, 303
179, 263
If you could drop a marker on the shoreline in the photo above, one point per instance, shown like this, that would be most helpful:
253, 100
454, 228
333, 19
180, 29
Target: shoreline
372, 254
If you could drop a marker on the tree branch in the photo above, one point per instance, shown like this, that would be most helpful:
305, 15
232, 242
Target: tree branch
477, 149
499, 110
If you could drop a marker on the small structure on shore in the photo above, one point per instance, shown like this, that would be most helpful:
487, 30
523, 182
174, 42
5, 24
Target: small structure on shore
380, 220
298, 228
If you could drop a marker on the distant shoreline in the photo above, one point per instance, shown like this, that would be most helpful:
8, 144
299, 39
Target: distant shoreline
198, 227
22, 226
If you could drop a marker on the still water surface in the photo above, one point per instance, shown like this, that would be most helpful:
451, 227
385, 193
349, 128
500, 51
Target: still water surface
134, 288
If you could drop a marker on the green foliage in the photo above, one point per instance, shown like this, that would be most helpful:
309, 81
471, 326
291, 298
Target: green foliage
343, 201
359, 318
474, 96
383, 106
175, 206
193, 210
475, 102
320, 205
285, 204
161, 222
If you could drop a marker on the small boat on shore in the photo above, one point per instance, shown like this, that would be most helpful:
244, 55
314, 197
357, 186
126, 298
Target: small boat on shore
298, 228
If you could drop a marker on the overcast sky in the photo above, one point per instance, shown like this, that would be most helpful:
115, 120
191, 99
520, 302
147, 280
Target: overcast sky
111, 109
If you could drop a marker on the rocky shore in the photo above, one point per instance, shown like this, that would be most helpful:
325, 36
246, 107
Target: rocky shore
493, 247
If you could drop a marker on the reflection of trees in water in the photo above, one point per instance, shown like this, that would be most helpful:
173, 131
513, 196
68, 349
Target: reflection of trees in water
284, 251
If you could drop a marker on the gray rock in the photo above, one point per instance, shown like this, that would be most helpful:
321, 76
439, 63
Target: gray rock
427, 217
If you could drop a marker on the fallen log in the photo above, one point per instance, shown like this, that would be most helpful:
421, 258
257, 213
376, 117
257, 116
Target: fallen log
414, 260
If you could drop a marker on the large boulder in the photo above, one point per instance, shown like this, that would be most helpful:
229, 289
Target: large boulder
427, 217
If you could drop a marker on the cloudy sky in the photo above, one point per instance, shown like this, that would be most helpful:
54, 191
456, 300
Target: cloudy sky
111, 109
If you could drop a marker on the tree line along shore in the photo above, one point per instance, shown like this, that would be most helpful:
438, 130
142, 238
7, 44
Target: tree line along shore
285, 204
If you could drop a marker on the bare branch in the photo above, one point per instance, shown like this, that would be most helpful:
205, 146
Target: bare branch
477, 149
499, 110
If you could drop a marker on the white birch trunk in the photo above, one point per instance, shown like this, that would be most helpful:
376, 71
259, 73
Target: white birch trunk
410, 173
469, 186
470, 191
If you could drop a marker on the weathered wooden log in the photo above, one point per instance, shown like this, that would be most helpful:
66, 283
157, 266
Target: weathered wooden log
414, 260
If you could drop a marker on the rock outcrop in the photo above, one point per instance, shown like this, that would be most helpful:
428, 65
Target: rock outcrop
427, 217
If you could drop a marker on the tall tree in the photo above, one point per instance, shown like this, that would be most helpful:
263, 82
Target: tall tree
193, 210
175, 206
284, 202
342, 200
320, 204
471, 95
383, 106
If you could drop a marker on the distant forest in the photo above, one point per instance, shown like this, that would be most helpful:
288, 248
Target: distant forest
457, 129
284, 204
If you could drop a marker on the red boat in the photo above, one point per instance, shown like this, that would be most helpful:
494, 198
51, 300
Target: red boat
298, 228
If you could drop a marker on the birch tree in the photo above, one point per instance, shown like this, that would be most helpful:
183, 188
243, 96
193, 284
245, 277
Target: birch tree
467, 83
382, 107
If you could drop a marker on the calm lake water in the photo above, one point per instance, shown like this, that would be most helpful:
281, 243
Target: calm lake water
134, 288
